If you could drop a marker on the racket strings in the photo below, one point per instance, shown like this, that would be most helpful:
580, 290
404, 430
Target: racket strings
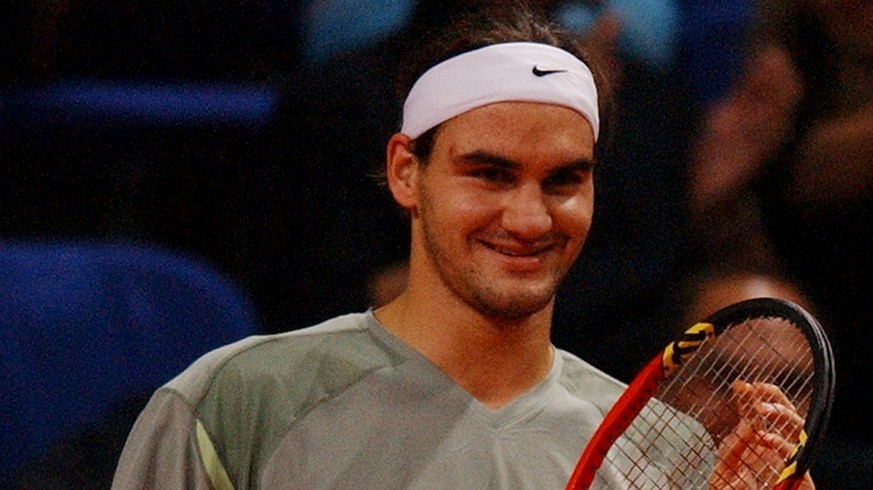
660, 450
674, 441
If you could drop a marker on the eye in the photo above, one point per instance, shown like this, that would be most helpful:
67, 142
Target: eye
567, 180
493, 174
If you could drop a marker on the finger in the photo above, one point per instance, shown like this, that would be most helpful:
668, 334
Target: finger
767, 406
732, 448
744, 398
743, 458
760, 391
780, 418
771, 393
782, 446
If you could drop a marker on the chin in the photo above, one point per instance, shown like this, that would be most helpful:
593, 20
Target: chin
516, 307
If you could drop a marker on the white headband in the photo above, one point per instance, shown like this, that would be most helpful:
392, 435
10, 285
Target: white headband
518, 71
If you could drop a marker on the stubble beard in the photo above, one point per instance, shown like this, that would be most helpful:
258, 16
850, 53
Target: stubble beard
476, 290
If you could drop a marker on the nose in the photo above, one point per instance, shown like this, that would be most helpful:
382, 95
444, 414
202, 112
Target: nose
526, 213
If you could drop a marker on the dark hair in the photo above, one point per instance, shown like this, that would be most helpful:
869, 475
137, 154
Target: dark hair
477, 28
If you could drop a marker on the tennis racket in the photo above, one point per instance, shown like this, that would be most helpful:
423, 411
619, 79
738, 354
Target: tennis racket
741, 400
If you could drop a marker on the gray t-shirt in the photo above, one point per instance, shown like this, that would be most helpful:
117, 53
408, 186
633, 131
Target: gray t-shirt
345, 404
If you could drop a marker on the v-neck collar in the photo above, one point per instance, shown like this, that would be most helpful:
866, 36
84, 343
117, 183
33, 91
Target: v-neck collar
521, 408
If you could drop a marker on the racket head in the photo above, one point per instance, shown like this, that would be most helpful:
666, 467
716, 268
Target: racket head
671, 427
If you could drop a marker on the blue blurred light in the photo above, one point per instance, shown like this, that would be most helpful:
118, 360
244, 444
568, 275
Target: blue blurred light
149, 102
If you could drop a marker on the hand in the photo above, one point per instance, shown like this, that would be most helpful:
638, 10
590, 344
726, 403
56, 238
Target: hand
834, 165
762, 440
742, 132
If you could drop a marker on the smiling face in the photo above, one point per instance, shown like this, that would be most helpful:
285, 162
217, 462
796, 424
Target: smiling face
502, 207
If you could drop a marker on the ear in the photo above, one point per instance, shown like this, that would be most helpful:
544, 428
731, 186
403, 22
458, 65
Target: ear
402, 169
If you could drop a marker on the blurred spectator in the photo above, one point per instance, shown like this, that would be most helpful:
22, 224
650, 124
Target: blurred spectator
717, 291
781, 185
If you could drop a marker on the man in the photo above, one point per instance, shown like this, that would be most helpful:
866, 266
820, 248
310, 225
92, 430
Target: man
454, 384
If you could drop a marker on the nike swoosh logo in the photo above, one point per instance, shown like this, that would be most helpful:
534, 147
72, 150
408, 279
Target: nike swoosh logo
541, 73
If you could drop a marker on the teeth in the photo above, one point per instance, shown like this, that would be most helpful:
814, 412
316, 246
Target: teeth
518, 249
514, 253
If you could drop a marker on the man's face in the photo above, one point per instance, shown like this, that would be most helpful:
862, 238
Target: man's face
505, 204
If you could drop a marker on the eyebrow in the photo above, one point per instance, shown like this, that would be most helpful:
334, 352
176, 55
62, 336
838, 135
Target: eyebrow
485, 157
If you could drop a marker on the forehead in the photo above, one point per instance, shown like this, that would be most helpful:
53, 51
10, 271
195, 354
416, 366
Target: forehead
525, 127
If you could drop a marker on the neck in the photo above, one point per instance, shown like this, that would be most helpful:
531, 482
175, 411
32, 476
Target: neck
495, 360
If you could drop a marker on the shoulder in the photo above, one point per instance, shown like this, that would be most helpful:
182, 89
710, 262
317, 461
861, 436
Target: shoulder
585, 381
247, 395
337, 351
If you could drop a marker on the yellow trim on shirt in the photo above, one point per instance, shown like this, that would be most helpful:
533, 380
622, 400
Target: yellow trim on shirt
211, 462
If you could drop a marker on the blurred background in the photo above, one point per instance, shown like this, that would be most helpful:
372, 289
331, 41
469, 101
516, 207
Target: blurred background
176, 175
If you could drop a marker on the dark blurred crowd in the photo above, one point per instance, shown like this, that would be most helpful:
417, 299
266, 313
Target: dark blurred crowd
739, 162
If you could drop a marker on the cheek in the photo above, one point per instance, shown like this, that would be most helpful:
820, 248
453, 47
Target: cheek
573, 217
449, 214
466, 208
